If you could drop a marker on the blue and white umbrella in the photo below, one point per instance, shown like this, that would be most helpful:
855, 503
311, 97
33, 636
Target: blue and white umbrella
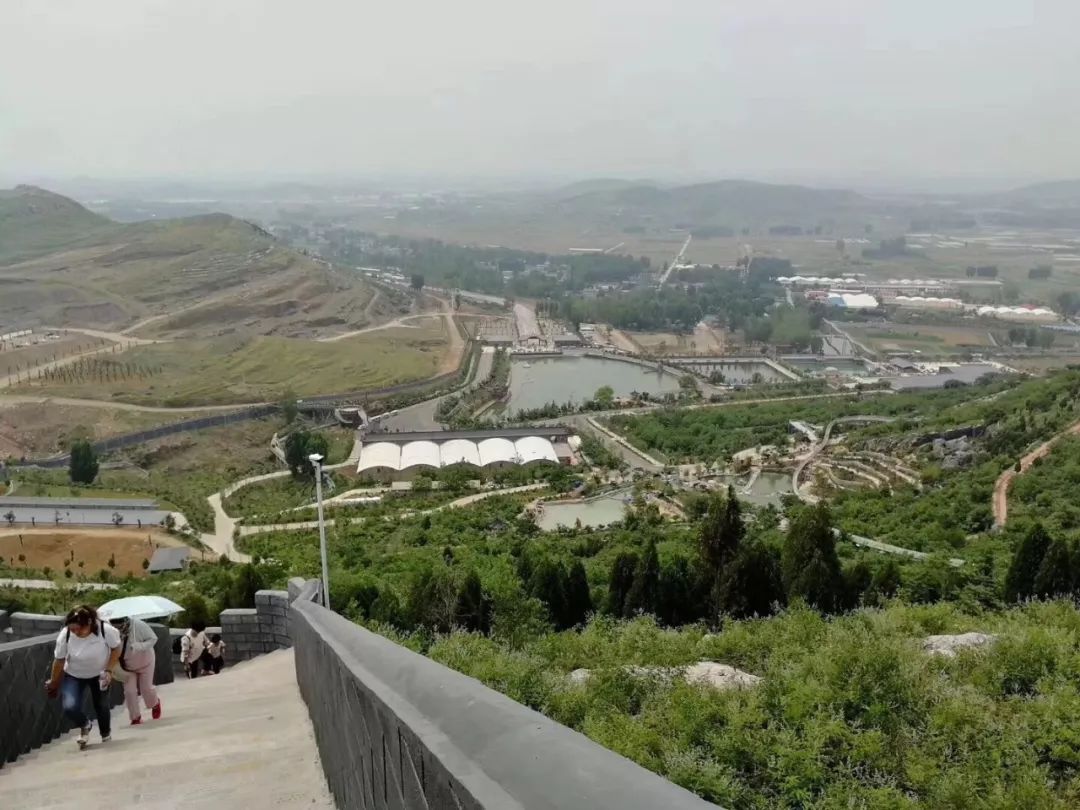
139, 607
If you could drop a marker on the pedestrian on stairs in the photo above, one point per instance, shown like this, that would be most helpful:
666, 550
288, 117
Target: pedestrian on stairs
87, 649
137, 660
193, 646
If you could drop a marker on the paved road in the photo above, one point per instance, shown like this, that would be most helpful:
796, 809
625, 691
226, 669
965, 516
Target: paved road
421, 416
49, 585
239, 739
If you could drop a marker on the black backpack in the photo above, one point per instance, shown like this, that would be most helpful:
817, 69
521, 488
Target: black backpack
177, 647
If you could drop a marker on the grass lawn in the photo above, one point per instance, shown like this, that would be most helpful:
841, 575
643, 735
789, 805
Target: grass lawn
220, 371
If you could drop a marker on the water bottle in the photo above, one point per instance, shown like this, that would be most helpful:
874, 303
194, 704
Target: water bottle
103, 682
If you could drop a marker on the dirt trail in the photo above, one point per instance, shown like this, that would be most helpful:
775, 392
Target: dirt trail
21, 399
1004, 481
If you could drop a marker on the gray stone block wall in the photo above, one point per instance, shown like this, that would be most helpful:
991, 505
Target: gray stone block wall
397, 730
248, 632
5, 621
32, 625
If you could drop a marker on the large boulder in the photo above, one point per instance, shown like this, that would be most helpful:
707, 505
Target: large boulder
704, 673
720, 676
950, 645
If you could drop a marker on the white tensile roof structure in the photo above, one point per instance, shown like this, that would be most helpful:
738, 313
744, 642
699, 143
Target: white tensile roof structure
459, 451
426, 453
494, 451
533, 448
379, 454
419, 454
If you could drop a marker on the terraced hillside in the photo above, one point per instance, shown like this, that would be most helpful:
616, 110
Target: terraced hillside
61, 265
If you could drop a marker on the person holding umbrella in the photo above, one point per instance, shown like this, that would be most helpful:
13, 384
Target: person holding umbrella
137, 656
137, 660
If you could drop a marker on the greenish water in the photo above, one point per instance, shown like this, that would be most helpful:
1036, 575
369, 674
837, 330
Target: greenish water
600, 511
535, 383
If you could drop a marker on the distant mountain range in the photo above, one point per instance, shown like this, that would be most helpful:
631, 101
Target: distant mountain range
725, 202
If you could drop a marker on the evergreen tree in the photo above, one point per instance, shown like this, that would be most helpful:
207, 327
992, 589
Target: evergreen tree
548, 584
885, 581
721, 532
1054, 577
622, 579
245, 583
473, 606
644, 591
578, 599
1020, 578
858, 583
750, 585
83, 467
296, 452
677, 601
810, 567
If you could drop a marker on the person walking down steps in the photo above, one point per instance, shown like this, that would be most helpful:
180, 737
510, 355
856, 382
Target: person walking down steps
87, 649
137, 660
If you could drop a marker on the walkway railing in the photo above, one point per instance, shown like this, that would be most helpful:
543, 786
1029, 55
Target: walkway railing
396, 729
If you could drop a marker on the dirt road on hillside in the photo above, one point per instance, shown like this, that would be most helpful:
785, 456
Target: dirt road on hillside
1004, 481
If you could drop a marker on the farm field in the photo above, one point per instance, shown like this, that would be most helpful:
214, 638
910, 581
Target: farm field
43, 548
236, 370
927, 339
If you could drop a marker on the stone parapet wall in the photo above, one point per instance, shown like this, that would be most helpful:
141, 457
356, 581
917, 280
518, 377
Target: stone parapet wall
397, 730
248, 632
28, 718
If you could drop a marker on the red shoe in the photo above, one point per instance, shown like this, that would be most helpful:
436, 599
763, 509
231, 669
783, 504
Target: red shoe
137, 721
156, 711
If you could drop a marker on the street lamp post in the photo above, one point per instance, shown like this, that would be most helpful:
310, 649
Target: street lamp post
316, 462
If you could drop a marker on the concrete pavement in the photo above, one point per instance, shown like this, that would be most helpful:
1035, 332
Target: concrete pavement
239, 739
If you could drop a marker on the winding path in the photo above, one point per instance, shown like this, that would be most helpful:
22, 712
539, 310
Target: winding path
806, 497
1005, 480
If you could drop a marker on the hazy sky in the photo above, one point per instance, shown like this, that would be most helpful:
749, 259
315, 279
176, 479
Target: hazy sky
771, 89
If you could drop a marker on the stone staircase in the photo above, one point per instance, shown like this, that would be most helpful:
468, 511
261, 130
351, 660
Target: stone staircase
241, 739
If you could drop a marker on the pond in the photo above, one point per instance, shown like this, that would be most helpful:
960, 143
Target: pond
815, 366
737, 372
536, 382
602, 510
767, 488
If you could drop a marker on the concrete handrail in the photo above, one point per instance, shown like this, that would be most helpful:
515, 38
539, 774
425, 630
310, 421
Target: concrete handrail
397, 729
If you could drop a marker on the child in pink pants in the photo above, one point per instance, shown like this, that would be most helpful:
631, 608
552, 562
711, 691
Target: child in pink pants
138, 661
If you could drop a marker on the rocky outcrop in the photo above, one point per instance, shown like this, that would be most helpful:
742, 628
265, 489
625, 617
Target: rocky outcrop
950, 645
721, 677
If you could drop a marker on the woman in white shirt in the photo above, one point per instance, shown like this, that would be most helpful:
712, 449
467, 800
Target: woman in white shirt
86, 651
137, 659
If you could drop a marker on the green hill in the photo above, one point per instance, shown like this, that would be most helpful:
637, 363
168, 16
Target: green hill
34, 221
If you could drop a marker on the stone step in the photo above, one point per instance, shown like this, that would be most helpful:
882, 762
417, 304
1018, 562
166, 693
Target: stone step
239, 739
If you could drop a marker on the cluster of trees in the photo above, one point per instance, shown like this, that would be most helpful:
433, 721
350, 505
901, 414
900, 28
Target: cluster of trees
1031, 336
457, 409
1043, 567
299, 445
679, 306
982, 271
1040, 273
889, 249
83, 465
95, 369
